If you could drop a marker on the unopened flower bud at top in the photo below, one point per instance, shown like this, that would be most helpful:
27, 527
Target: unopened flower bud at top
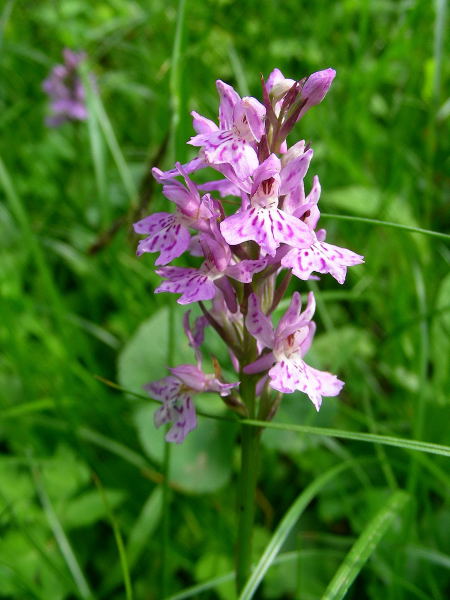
316, 88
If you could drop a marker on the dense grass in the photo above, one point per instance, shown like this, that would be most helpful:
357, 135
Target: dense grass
81, 470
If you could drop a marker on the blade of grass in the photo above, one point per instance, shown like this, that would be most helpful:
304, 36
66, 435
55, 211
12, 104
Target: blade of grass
140, 532
285, 527
34, 249
372, 438
238, 71
438, 234
424, 351
364, 546
144, 526
97, 147
118, 538
286, 557
106, 127
60, 536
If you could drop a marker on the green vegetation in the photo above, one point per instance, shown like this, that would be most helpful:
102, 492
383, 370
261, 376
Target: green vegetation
357, 509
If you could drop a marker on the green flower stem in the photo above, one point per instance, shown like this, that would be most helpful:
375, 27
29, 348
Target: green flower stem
250, 444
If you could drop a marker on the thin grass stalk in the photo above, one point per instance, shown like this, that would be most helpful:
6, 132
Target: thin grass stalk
176, 105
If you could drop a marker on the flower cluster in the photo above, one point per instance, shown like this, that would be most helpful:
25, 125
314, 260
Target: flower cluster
273, 231
66, 91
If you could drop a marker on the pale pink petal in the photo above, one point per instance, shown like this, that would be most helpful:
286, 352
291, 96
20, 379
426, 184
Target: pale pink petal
275, 77
294, 200
244, 270
215, 249
290, 317
224, 389
202, 124
195, 164
267, 170
228, 293
196, 335
195, 248
305, 345
294, 171
248, 119
233, 151
262, 363
315, 88
223, 186
228, 99
191, 376
259, 324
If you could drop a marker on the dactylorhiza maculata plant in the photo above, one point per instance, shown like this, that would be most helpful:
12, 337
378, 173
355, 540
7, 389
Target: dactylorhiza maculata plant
246, 262
272, 232
66, 91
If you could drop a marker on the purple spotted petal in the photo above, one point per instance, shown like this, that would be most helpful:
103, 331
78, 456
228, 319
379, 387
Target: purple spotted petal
322, 258
267, 227
290, 230
293, 374
224, 147
164, 389
259, 324
184, 419
167, 236
253, 224
192, 284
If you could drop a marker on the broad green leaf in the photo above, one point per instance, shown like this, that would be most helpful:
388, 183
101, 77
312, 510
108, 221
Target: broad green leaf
202, 463
144, 358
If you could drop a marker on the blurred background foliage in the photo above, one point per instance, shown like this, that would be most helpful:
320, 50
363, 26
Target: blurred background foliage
81, 464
